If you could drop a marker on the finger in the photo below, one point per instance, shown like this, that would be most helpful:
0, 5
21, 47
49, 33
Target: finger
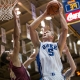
60, 5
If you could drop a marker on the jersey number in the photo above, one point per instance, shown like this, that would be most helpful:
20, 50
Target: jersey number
50, 51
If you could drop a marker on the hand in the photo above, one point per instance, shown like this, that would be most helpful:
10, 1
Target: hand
47, 15
60, 8
15, 13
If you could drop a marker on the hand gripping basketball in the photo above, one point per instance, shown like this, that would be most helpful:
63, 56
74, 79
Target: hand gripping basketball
52, 8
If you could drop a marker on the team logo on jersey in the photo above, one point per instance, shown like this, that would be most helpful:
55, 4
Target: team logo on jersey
50, 48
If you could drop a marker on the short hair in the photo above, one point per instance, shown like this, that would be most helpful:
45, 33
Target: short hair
3, 58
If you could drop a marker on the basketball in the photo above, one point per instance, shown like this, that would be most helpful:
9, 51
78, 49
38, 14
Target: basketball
52, 8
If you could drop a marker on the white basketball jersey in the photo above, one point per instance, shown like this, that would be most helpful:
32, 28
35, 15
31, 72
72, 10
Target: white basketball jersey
49, 61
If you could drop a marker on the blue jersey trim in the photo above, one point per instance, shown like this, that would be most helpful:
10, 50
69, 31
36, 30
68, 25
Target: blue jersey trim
39, 65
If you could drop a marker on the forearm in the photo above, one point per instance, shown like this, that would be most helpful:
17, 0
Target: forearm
28, 62
16, 28
64, 31
63, 22
31, 58
16, 36
71, 61
72, 68
33, 33
36, 23
68, 74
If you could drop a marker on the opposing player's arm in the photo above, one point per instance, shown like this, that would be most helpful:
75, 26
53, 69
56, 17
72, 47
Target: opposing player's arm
16, 36
64, 31
68, 74
31, 58
72, 68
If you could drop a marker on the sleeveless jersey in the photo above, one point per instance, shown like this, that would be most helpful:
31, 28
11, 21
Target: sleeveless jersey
49, 62
20, 72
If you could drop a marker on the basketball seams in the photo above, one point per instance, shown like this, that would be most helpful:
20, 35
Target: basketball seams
52, 8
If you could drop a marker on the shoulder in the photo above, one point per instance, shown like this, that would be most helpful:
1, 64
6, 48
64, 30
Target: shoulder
55, 43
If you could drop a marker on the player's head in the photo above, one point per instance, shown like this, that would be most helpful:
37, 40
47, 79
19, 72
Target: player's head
48, 35
5, 57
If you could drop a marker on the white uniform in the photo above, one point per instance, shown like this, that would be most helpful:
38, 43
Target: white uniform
49, 62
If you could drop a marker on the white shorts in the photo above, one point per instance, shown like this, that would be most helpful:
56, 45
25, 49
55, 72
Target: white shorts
53, 77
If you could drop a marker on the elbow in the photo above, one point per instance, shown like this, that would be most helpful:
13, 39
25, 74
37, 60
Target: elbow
30, 28
65, 30
74, 69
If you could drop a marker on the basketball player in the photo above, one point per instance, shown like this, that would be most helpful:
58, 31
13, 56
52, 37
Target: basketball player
48, 59
70, 72
17, 69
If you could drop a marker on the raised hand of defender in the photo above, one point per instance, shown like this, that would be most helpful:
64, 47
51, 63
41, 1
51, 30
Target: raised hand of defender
15, 13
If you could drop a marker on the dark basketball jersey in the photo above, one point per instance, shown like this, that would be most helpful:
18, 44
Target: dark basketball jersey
20, 72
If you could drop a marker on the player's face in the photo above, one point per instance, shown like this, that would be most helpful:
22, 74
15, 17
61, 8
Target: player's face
46, 35
8, 56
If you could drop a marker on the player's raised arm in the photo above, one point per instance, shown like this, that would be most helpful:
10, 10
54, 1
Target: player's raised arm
16, 34
64, 28
33, 26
